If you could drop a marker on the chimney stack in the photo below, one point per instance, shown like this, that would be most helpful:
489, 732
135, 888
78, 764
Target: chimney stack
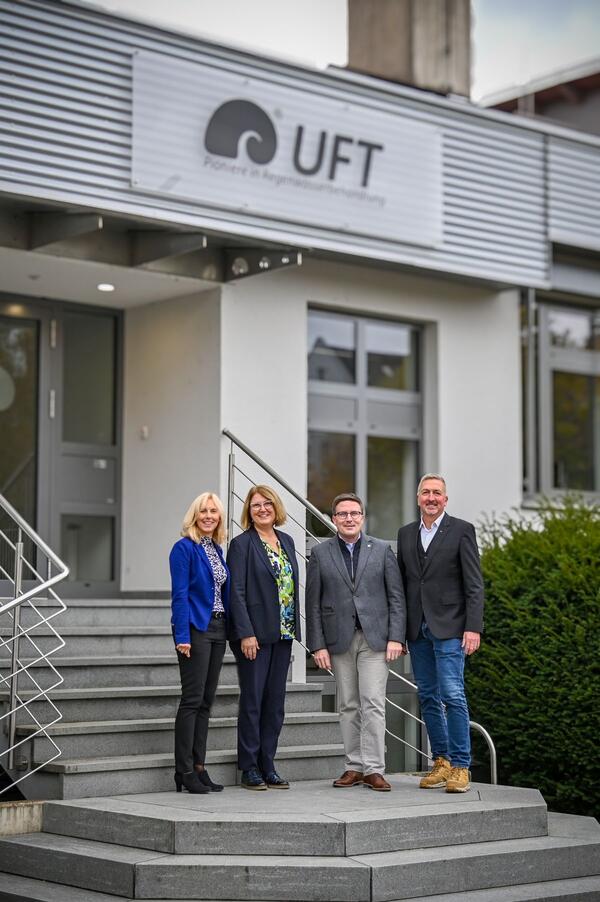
425, 43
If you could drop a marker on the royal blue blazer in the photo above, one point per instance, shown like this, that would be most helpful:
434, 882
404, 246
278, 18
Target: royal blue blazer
193, 588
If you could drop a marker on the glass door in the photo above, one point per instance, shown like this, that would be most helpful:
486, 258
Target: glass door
86, 449
59, 454
19, 404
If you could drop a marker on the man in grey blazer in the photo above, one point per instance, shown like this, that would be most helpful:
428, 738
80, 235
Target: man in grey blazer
439, 563
355, 621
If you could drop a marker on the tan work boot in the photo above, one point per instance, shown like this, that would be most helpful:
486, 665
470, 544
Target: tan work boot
458, 780
438, 775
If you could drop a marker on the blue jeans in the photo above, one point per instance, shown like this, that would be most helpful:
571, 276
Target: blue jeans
438, 666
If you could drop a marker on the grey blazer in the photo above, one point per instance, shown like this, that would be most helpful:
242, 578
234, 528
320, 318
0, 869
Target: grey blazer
330, 597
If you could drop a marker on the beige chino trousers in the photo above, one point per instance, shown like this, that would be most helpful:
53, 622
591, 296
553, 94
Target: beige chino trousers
361, 676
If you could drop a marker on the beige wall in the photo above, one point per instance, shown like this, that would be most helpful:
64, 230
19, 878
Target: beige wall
172, 388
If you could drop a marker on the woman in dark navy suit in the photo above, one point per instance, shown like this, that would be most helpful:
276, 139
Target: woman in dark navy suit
265, 618
199, 607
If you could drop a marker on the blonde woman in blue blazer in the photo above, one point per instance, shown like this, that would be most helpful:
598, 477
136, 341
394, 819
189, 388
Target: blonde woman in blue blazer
199, 609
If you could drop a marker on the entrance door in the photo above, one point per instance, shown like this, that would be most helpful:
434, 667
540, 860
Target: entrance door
58, 417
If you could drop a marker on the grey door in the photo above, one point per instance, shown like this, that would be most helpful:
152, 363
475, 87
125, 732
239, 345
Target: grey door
62, 469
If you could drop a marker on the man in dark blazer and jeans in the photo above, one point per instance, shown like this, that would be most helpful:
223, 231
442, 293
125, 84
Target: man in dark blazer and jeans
439, 563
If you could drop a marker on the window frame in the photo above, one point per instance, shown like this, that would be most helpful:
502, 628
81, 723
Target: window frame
541, 361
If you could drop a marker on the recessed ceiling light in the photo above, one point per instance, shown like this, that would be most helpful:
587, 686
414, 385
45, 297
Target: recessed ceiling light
105, 286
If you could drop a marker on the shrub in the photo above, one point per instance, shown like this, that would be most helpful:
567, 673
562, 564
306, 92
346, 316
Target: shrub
535, 683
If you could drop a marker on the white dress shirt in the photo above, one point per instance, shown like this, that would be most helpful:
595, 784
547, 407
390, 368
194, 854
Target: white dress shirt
428, 535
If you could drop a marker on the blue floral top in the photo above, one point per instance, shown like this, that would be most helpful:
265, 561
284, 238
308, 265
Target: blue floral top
285, 585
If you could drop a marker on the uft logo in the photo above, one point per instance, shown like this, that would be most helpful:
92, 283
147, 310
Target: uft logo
237, 120
234, 120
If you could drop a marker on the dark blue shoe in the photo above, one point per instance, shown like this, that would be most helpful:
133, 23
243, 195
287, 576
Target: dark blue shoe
252, 779
274, 781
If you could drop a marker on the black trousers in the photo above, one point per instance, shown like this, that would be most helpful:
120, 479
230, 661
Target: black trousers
199, 677
262, 703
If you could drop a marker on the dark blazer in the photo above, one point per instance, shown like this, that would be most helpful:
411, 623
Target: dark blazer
332, 598
448, 591
193, 588
254, 601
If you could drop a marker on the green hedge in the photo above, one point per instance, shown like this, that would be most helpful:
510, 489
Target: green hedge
535, 683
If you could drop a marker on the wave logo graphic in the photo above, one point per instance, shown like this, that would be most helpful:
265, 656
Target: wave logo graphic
239, 120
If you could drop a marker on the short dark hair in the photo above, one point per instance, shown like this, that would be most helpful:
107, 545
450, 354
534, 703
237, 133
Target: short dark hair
346, 496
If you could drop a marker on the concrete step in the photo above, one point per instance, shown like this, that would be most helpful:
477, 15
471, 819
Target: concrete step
141, 702
579, 889
103, 612
109, 868
95, 641
120, 670
328, 822
148, 874
129, 737
89, 777
570, 850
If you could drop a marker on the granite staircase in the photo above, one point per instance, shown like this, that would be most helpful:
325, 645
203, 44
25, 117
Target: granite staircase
118, 703
312, 843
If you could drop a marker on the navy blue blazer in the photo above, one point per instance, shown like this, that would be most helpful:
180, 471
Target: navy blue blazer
254, 602
193, 588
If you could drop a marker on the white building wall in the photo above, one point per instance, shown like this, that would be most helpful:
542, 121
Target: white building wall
172, 389
471, 371
236, 358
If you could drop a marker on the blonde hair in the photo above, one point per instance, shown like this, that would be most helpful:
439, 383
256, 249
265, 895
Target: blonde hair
189, 528
270, 495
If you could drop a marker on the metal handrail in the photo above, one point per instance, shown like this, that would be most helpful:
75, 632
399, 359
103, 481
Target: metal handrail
282, 482
472, 723
42, 589
231, 495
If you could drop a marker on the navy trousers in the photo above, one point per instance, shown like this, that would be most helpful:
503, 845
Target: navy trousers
262, 703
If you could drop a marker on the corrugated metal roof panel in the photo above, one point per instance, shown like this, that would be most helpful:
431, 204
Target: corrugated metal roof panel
574, 194
66, 115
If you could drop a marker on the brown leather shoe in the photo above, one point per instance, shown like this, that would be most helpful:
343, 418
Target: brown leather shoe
349, 778
377, 782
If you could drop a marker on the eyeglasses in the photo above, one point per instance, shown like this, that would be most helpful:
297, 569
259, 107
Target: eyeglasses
344, 515
268, 505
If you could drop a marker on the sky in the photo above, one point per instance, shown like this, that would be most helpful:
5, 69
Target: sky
513, 40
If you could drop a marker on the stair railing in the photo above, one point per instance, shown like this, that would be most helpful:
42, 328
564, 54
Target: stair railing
232, 523
21, 615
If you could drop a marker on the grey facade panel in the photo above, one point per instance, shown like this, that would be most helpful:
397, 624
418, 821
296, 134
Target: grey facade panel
66, 135
574, 194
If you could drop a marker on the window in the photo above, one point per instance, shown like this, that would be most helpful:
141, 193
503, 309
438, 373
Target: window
364, 416
561, 367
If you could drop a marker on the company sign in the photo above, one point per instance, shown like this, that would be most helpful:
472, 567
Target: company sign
243, 143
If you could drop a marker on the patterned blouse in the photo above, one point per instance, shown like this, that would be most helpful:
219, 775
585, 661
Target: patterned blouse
218, 569
285, 585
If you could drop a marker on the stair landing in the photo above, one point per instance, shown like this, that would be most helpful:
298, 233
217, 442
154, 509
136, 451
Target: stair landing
308, 844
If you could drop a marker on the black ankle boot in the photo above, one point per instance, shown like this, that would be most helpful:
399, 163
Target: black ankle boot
206, 781
191, 782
